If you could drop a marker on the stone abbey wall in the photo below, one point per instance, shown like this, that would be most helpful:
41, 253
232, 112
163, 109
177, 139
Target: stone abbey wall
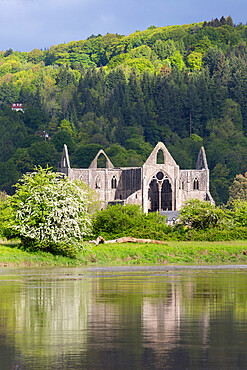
159, 185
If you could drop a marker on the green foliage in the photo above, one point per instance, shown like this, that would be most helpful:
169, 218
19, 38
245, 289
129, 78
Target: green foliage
200, 215
113, 91
217, 234
35, 56
219, 180
202, 45
84, 155
140, 64
232, 112
129, 220
121, 157
238, 212
238, 189
206, 222
49, 213
66, 126
195, 60
8, 52
176, 60
5, 211
43, 153
164, 49
63, 137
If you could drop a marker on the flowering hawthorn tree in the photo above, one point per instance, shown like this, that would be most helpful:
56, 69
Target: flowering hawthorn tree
50, 212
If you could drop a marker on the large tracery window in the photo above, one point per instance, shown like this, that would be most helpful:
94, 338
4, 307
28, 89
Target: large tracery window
160, 193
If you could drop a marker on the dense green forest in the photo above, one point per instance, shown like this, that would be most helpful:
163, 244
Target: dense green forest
183, 85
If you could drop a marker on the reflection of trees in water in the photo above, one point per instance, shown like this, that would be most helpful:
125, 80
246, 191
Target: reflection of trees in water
174, 321
41, 318
148, 319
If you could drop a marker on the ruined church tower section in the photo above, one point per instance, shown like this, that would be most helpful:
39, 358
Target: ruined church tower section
64, 165
158, 186
194, 184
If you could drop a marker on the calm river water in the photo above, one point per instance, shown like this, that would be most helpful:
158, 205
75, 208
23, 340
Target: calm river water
123, 318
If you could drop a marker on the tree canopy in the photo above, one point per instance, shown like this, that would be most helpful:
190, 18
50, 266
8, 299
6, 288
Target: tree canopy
126, 93
48, 212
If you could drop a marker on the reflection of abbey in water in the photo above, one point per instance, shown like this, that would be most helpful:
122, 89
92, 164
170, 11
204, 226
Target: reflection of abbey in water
159, 185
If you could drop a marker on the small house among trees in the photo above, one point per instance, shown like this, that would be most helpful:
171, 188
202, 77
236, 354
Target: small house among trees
17, 107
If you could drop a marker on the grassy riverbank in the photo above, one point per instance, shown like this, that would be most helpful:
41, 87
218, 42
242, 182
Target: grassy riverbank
11, 256
132, 254
171, 252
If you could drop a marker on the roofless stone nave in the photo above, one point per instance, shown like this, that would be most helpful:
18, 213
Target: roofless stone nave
155, 186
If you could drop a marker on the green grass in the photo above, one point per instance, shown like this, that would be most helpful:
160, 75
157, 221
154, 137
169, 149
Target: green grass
11, 255
170, 252
132, 254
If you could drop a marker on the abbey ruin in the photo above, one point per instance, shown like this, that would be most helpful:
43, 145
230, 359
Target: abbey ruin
155, 186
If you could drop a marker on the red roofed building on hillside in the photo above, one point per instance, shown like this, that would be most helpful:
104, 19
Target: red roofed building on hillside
18, 107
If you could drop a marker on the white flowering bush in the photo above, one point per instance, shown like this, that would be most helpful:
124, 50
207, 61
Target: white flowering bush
50, 212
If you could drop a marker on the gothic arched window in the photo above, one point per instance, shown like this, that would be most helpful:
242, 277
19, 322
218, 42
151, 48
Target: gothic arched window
196, 184
160, 159
97, 183
113, 182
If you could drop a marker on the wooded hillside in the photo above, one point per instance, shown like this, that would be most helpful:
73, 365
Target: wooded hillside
183, 85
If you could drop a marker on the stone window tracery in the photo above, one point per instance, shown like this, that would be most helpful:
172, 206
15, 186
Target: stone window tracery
160, 193
160, 176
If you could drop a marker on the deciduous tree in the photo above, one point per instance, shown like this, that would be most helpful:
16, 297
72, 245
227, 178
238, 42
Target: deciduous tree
49, 212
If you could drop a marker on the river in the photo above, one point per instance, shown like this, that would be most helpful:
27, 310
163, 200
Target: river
163, 317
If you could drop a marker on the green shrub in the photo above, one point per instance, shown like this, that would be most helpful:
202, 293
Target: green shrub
129, 220
201, 221
237, 233
238, 212
5, 212
200, 215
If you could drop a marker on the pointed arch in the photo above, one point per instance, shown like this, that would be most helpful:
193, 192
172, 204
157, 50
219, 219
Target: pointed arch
152, 159
97, 182
153, 196
114, 182
196, 184
166, 196
101, 161
160, 157
108, 163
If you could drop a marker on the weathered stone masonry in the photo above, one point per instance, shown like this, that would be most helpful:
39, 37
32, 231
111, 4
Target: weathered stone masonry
156, 186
